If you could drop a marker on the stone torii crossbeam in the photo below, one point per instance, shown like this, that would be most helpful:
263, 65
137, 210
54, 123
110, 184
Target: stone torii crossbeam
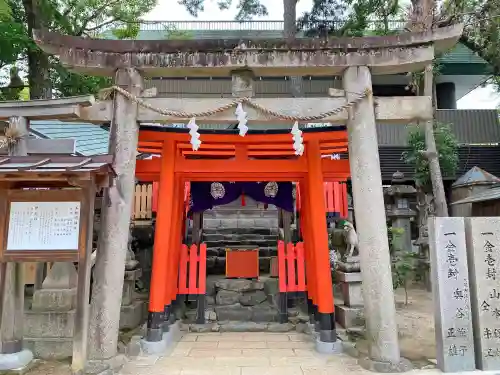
355, 59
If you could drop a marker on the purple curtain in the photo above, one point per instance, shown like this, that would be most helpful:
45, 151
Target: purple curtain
206, 195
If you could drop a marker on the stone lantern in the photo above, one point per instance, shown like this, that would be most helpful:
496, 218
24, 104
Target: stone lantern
398, 208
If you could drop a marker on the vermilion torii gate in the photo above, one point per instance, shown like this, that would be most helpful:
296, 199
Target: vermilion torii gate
354, 59
259, 156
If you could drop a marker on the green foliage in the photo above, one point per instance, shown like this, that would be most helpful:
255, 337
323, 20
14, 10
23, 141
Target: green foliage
72, 84
481, 19
13, 38
447, 148
350, 17
172, 33
5, 11
246, 8
403, 261
72, 17
128, 31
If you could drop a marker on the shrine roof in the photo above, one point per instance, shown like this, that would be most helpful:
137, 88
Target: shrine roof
100, 164
90, 139
320, 129
493, 193
223, 143
476, 176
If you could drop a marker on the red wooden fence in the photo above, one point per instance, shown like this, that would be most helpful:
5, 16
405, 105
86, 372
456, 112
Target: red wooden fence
291, 267
193, 270
335, 198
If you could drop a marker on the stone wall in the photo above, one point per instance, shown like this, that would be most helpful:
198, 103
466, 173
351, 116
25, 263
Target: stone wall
242, 300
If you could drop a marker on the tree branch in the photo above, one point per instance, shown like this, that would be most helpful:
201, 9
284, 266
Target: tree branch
99, 10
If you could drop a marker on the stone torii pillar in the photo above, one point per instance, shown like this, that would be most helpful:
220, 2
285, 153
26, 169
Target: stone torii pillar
115, 221
378, 294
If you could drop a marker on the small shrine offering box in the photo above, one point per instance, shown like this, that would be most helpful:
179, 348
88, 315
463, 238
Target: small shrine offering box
43, 225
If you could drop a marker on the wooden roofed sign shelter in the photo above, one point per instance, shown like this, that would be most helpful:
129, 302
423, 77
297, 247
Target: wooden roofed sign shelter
47, 215
260, 154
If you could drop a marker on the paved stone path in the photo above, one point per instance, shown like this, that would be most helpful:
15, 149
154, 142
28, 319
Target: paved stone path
244, 354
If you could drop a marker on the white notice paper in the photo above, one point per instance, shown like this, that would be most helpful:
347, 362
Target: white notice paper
44, 226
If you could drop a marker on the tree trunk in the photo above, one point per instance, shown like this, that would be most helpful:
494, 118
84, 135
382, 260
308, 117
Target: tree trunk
422, 18
38, 61
432, 153
426, 209
290, 32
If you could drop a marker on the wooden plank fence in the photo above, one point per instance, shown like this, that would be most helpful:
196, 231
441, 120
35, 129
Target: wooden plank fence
142, 208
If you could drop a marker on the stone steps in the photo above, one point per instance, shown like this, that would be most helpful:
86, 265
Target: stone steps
233, 231
221, 251
233, 226
219, 237
249, 212
247, 223
253, 243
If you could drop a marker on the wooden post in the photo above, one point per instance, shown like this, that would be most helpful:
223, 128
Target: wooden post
197, 227
12, 279
284, 221
115, 221
319, 234
159, 276
82, 313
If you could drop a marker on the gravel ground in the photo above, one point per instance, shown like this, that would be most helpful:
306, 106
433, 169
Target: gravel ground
416, 324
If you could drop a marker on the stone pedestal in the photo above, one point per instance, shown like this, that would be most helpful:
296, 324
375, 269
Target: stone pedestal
349, 311
483, 250
450, 289
49, 323
131, 313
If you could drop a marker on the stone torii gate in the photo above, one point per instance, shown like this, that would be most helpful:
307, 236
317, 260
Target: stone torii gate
355, 59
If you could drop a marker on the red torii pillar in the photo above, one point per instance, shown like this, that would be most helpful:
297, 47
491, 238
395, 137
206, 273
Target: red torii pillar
160, 288
319, 257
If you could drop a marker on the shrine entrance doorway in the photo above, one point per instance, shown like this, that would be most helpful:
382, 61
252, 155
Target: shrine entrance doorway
179, 268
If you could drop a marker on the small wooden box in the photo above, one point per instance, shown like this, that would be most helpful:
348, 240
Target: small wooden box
242, 263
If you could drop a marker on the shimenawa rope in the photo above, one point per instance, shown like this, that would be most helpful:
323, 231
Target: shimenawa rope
106, 93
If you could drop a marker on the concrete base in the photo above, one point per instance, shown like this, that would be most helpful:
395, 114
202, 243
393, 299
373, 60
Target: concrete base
105, 367
15, 361
132, 315
153, 347
349, 317
161, 347
385, 367
53, 348
328, 347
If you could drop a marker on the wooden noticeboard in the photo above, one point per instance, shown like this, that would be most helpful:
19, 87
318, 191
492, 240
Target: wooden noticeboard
43, 225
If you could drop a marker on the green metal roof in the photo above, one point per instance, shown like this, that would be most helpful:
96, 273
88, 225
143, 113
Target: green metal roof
90, 139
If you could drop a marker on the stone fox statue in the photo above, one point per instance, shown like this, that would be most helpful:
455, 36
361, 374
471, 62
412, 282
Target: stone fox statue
350, 238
